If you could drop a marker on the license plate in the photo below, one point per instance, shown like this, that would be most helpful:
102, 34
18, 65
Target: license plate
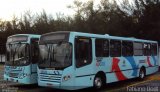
49, 84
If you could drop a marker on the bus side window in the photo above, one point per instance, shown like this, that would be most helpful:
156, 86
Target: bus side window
102, 47
147, 49
83, 51
115, 48
27, 51
34, 50
138, 48
154, 49
127, 48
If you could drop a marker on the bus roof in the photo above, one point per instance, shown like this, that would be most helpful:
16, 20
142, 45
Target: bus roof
105, 36
29, 35
57, 32
110, 37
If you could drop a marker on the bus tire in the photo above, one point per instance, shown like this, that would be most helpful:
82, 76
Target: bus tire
142, 73
98, 82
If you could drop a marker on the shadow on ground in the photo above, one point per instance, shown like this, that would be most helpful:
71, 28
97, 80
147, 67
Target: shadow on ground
108, 87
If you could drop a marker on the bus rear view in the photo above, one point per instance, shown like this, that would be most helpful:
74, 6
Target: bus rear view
22, 57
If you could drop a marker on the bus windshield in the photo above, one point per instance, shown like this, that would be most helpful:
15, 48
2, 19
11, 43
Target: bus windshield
55, 55
17, 54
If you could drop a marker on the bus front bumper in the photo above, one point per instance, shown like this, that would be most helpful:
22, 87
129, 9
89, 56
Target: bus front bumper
49, 84
55, 85
18, 80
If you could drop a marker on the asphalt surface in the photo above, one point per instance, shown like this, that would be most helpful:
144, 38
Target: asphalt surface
150, 84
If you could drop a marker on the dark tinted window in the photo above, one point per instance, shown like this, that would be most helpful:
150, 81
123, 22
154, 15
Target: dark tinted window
102, 48
154, 49
34, 50
115, 48
138, 48
83, 51
127, 48
147, 49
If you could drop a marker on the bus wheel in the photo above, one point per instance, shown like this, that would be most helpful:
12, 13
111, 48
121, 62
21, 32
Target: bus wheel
98, 82
142, 74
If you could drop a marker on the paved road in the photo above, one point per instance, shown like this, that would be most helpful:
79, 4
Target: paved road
149, 84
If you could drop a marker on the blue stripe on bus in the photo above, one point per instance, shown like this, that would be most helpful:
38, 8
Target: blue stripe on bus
133, 64
154, 59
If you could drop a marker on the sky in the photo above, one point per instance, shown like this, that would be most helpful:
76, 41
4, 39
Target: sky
10, 8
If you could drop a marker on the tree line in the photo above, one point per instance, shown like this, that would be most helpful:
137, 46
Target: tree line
139, 19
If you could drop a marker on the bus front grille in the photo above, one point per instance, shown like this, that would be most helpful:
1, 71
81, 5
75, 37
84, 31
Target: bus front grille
50, 78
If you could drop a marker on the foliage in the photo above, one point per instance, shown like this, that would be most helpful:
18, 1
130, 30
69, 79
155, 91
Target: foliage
139, 18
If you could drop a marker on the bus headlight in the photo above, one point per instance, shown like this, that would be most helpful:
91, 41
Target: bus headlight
67, 77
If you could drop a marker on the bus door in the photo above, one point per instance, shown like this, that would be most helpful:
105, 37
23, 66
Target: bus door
34, 54
83, 61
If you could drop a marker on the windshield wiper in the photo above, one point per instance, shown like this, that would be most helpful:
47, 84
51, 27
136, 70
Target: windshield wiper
52, 53
15, 51
48, 54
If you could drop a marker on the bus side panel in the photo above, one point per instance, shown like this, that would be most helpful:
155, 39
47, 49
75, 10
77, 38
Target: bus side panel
104, 64
129, 67
122, 68
111, 77
152, 64
151, 70
70, 83
34, 73
84, 76
116, 68
34, 68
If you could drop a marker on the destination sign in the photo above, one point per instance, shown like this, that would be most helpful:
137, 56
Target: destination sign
17, 39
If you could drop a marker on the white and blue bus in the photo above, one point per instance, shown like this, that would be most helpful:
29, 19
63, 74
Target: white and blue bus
75, 60
22, 54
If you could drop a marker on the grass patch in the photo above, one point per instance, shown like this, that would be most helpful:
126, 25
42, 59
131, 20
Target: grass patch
1, 66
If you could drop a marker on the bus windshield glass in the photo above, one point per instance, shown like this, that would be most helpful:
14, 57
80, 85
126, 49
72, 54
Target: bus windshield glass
55, 55
17, 54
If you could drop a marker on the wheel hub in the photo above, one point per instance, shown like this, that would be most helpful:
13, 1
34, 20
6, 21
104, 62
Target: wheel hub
142, 74
98, 82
